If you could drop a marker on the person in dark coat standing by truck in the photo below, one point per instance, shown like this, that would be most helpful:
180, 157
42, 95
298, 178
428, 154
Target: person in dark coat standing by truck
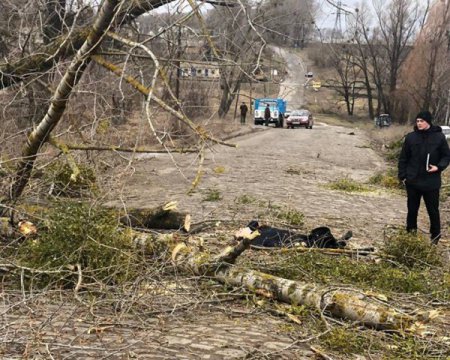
244, 110
425, 154
267, 115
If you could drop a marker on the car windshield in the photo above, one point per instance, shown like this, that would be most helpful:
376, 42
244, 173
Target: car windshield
299, 113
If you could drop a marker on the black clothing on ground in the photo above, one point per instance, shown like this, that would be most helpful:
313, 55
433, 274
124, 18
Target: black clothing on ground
320, 237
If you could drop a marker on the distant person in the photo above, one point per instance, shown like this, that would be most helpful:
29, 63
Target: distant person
244, 110
267, 115
425, 154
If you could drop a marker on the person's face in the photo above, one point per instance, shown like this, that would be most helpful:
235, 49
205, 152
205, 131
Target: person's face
422, 124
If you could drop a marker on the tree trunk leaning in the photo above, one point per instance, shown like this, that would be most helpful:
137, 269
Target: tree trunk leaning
61, 97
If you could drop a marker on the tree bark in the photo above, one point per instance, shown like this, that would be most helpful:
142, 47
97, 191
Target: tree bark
73, 74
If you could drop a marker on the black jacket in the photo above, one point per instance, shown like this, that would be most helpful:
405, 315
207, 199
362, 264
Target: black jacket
413, 158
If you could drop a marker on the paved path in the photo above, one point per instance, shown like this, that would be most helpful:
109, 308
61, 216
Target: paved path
277, 166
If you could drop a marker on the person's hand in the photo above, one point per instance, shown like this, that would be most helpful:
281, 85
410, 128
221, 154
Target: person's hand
432, 168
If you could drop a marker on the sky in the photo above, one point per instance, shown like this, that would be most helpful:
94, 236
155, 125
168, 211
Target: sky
326, 16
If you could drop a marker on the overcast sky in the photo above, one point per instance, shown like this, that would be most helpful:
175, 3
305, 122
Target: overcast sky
326, 16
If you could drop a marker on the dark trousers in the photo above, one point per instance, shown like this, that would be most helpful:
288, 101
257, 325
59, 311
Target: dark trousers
243, 118
431, 199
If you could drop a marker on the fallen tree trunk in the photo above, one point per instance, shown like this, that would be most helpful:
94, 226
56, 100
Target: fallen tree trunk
343, 303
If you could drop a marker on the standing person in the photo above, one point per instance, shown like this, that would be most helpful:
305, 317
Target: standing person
425, 154
267, 115
244, 110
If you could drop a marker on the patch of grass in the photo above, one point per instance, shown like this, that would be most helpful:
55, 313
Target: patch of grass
296, 171
383, 276
219, 169
410, 347
412, 250
212, 195
345, 341
245, 199
348, 185
79, 237
291, 216
387, 179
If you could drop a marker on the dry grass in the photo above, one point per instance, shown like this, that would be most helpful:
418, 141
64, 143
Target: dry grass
387, 136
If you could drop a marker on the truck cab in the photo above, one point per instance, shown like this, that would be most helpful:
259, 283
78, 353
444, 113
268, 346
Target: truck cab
277, 109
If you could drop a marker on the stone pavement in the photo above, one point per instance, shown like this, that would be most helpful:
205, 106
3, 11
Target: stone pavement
67, 330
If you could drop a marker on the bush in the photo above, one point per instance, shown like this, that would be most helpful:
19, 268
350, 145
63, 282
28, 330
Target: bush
411, 250
79, 234
388, 179
395, 149
60, 175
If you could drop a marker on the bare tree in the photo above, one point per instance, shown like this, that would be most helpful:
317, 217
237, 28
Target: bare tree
288, 22
80, 41
348, 81
389, 44
425, 77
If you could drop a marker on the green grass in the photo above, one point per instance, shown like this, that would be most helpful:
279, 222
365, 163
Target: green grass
347, 185
212, 195
386, 179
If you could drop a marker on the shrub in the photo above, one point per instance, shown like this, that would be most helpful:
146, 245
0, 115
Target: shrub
411, 250
395, 148
77, 233
388, 179
60, 175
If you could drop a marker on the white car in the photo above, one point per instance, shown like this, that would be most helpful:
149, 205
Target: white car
446, 131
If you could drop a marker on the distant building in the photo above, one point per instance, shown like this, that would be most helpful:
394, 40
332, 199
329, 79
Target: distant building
206, 70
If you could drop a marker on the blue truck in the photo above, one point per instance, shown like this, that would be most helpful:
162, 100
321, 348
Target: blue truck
277, 110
